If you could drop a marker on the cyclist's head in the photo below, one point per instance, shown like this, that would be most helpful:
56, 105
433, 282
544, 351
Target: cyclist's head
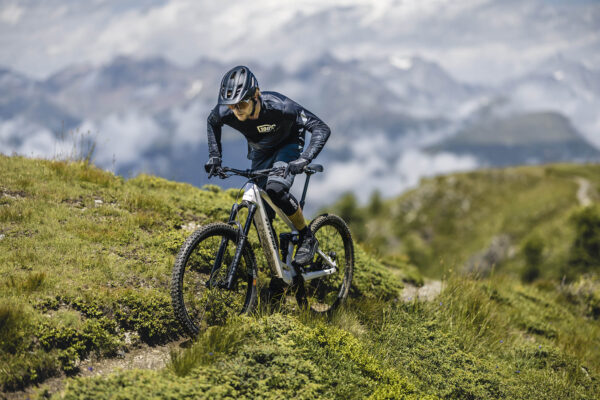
239, 91
238, 84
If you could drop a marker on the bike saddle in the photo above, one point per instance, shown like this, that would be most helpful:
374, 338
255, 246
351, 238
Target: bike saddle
313, 168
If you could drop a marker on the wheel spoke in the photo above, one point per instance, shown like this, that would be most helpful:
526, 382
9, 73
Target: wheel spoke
197, 305
325, 293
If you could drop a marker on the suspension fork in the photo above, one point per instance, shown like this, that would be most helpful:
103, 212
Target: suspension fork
223, 246
242, 239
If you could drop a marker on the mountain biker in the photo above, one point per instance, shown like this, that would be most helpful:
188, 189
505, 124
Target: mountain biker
274, 127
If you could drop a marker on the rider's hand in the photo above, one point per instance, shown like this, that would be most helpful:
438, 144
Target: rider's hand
213, 165
297, 166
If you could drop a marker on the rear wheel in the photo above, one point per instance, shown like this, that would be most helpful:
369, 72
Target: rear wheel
327, 293
199, 275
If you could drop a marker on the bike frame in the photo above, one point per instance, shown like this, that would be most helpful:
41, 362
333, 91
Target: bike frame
285, 269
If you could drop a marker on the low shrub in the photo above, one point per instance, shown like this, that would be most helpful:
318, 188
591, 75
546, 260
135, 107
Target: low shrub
147, 312
585, 250
208, 347
532, 251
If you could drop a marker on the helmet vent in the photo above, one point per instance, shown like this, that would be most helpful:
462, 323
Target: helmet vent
237, 84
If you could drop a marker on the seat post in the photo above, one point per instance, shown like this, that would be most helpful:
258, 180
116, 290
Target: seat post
304, 191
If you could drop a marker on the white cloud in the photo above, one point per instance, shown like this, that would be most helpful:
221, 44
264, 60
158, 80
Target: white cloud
414, 165
368, 169
22, 137
194, 89
124, 138
570, 100
11, 14
190, 125
477, 40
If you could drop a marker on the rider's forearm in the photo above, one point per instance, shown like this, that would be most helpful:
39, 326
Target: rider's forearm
318, 138
213, 133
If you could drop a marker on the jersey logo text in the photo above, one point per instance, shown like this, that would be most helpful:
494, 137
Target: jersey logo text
266, 128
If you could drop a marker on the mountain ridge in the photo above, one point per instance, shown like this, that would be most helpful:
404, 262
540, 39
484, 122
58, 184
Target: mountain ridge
150, 101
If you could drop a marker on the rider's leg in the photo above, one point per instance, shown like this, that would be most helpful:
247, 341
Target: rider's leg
278, 189
308, 243
264, 163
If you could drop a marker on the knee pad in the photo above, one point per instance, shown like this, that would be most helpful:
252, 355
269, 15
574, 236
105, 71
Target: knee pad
287, 181
282, 198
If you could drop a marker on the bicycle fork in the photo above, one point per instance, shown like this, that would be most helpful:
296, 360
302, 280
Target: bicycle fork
241, 242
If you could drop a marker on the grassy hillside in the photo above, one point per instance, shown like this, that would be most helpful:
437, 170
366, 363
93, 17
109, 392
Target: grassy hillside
522, 220
86, 257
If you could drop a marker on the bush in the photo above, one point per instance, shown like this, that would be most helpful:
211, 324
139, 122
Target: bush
585, 250
347, 208
532, 251
12, 320
149, 313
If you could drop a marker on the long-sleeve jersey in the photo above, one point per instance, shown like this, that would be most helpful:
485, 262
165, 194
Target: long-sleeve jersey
280, 121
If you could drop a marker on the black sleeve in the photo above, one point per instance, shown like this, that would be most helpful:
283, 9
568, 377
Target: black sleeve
213, 131
319, 131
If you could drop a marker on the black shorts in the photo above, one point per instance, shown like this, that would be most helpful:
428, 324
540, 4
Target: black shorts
279, 158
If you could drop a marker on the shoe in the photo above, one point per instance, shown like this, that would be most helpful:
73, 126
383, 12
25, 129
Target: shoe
306, 250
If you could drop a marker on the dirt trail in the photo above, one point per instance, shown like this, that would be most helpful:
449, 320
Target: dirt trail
428, 292
583, 193
156, 357
145, 357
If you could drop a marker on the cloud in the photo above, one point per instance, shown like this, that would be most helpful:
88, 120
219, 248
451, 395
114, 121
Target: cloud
22, 137
11, 14
190, 124
414, 165
477, 40
568, 99
124, 138
369, 167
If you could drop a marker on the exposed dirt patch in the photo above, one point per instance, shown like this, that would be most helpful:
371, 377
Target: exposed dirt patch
78, 202
191, 226
145, 357
13, 194
583, 193
428, 292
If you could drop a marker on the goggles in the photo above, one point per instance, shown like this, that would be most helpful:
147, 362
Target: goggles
242, 104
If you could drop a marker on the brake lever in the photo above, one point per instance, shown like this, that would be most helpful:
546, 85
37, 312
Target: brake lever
217, 171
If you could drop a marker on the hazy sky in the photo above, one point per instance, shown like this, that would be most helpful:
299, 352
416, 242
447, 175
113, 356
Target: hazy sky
476, 40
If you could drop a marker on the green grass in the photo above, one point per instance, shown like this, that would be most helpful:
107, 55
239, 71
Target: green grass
86, 258
444, 222
474, 342
274, 356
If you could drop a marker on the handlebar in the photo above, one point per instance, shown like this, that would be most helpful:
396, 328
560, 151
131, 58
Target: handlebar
226, 172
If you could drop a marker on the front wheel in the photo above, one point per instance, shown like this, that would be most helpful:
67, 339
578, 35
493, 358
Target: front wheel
199, 275
327, 293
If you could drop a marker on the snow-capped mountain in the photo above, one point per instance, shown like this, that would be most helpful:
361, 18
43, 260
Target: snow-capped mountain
147, 114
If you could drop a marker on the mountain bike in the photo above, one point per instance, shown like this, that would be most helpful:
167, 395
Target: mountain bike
215, 273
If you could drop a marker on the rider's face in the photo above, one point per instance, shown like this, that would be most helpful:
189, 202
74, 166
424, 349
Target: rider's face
243, 110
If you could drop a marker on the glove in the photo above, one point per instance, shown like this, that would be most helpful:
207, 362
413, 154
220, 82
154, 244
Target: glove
213, 165
296, 167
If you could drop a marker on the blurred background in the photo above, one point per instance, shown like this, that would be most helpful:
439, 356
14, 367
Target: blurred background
409, 88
